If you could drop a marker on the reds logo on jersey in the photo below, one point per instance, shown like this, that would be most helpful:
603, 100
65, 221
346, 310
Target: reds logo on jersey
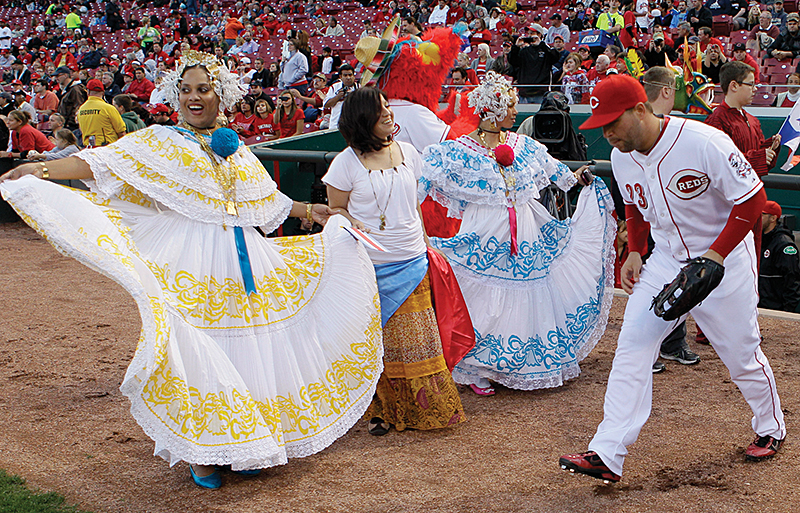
396, 130
688, 183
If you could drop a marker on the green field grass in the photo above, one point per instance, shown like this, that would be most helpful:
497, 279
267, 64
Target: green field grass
15, 497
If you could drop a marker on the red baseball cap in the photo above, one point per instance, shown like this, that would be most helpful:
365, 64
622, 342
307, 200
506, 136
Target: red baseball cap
95, 85
611, 98
772, 208
159, 108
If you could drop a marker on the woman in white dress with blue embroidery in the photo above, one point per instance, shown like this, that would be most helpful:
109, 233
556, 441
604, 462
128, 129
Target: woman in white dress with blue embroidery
538, 289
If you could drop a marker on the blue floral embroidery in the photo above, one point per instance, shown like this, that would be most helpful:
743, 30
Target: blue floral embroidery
532, 261
536, 355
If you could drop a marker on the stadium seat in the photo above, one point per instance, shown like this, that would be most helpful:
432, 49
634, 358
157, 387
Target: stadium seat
763, 99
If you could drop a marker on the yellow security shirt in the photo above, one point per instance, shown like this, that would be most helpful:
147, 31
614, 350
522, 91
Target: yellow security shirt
101, 120
73, 21
607, 20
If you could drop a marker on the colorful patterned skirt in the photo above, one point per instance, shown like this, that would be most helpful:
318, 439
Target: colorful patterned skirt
415, 390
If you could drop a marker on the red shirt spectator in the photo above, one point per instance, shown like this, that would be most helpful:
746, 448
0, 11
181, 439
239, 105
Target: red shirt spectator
26, 57
454, 14
505, 26
740, 54
160, 56
481, 36
282, 27
627, 35
270, 24
711, 41
263, 126
245, 122
288, 125
140, 88
26, 138
745, 131
65, 58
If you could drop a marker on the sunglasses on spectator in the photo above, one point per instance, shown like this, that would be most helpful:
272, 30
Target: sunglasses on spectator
286, 98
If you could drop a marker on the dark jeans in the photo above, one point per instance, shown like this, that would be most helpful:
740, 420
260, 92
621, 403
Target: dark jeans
311, 114
676, 340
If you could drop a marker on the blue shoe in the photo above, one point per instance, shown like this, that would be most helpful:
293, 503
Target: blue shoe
211, 481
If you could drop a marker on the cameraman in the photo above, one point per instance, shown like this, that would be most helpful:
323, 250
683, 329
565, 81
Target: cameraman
656, 52
533, 60
338, 92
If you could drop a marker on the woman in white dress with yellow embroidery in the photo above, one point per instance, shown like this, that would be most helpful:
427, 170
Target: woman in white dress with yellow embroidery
252, 350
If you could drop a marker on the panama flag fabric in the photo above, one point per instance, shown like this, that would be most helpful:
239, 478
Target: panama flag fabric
790, 137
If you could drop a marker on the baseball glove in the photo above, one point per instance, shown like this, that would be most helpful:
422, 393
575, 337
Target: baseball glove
694, 283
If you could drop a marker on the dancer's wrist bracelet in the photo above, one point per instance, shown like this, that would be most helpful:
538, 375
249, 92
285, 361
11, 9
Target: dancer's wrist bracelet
45, 172
308, 213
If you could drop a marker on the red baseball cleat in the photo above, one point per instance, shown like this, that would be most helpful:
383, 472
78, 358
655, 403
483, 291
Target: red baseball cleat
588, 463
763, 447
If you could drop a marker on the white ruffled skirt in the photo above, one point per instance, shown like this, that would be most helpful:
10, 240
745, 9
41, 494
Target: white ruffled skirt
540, 312
220, 378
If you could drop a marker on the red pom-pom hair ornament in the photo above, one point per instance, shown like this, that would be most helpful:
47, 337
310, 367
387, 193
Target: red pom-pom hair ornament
504, 155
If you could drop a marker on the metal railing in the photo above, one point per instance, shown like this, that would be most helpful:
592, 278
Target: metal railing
602, 168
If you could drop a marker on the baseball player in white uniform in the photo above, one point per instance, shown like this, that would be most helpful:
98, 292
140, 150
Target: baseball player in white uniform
700, 197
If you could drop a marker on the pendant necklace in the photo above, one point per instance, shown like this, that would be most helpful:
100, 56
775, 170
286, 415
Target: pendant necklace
226, 178
382, 211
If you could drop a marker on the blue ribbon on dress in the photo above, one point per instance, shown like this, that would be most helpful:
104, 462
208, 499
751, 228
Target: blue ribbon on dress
397, 281
244, 261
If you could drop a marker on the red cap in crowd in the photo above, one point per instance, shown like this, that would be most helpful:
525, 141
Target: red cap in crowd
772, 208
159, 108
95, 85
611, 98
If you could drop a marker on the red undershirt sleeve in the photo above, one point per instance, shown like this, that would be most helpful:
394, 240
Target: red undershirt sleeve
742, 219
638, 230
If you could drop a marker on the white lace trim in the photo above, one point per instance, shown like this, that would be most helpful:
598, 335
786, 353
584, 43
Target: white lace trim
172, 169
461, 172
466, 374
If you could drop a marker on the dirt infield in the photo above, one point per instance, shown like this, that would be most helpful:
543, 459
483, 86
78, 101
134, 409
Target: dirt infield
67, 334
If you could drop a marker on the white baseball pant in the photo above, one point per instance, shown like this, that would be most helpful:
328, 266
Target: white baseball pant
728, 316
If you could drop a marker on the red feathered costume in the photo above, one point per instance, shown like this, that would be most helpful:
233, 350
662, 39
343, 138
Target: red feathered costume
413, 83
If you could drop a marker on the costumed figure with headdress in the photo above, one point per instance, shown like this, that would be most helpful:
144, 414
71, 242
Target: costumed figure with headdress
252, 350
411, 71
538, 289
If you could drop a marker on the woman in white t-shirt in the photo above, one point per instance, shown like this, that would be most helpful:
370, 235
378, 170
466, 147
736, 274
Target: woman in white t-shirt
373, 183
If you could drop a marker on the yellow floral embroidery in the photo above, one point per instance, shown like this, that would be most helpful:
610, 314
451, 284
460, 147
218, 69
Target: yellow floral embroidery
239, 415
190, 158
109, 246
286, 289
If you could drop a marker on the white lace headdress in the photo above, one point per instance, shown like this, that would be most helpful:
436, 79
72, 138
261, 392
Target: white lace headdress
225, 83
493, 97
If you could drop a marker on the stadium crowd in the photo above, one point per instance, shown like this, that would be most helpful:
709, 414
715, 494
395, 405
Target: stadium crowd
289, 53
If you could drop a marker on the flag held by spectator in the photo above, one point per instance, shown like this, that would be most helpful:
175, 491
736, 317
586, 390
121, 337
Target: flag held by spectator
790, 137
